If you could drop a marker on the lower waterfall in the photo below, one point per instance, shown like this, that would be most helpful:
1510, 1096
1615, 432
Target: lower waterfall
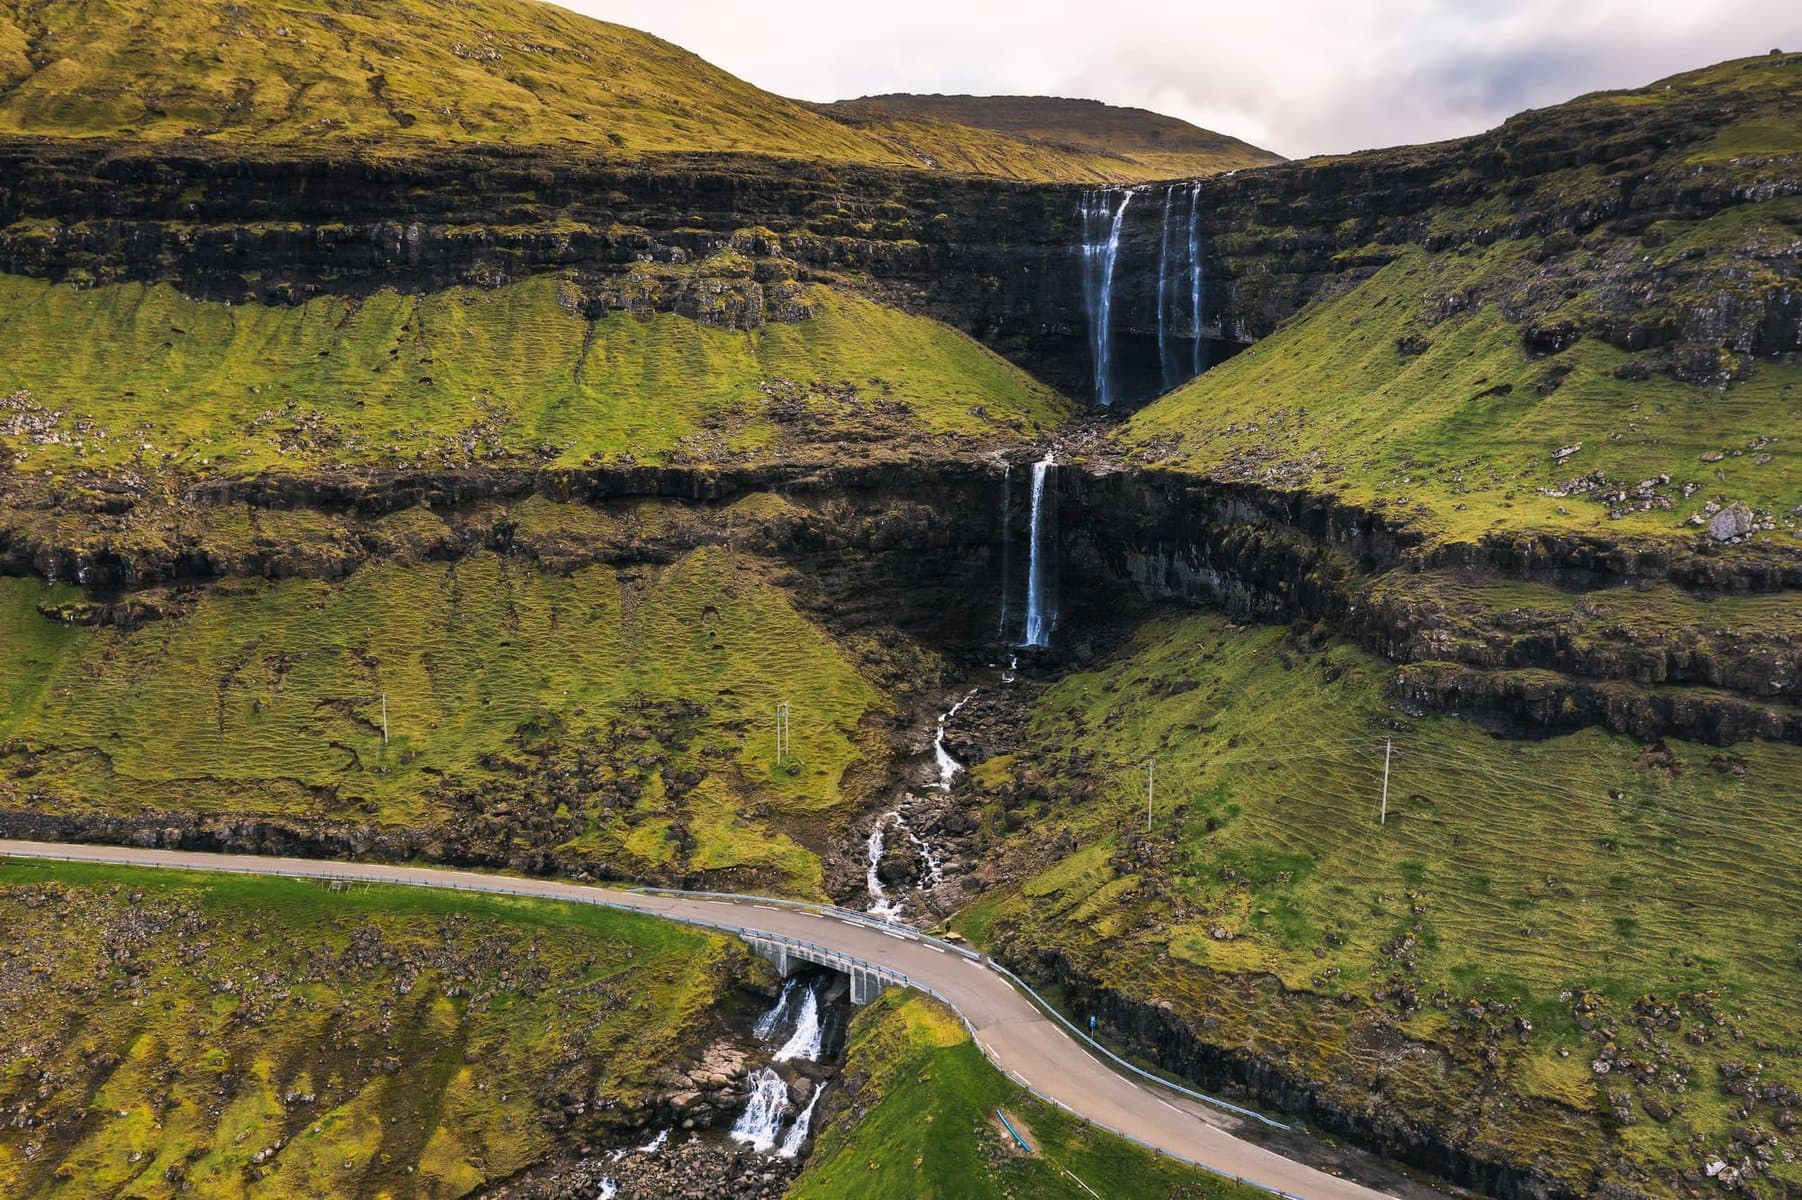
797, 1133
761, 1121
1041, 599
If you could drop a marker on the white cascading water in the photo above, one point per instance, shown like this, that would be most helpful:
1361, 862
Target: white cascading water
797, 1133
655, 1144
880, 904
1100, 250
804, 1043
1195, 279
608, 1190
1039, 617
770, 1021
761, 1121
948, 766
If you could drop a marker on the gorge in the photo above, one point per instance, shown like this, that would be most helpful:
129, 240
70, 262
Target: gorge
453, 498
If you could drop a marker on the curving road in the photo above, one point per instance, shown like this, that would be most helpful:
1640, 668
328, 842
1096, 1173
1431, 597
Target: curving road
1011, 1031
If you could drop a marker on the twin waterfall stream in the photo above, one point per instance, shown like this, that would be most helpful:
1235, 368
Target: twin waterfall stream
1181, 292
798, 1014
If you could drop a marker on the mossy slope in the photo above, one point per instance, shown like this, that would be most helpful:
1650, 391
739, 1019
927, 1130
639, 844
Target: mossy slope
139, 376
1401, 395
170, 1034
924, 1126
406, 76
622, 715
1603, 932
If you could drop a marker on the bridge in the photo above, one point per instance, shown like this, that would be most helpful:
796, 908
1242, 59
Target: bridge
1033, 1045
867, 979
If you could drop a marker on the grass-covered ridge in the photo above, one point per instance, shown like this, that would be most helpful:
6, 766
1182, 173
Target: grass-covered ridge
1593, 943
924, 1126
140, 376
1151, 144
1400, 393
181, 1034
620, 716
402, 77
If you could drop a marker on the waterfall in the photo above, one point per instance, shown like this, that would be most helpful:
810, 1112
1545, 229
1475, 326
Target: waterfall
1195, 279
771, 1021
608, 1190
880, 904
797, 1133
758, 1125
1164, 363
948, 766
805, 1041
1100, 249
1041, 603
655, 1144
1007, 549
1179, 269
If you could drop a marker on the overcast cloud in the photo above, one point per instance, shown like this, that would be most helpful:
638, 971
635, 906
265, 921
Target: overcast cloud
1296, 76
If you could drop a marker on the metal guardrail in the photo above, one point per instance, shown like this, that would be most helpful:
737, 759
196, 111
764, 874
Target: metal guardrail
598, 897
1124, 1065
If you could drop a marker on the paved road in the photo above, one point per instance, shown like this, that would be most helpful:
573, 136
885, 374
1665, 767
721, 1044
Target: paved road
1014, 1034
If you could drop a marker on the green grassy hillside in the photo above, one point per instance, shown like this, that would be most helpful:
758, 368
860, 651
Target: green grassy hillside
1603, 932
1402, 394
924, 1126
408, 76
622, 715
140, 376
164, 1034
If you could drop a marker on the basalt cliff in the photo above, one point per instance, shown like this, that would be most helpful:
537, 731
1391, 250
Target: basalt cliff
376, 484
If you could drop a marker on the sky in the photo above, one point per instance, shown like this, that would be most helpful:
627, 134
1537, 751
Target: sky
1295, 76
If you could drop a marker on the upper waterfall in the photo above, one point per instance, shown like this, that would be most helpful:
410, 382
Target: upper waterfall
1128, 300
1101, 224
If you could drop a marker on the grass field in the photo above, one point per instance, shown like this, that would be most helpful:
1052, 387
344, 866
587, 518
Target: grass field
625, 715
1465, 436
140, 376
331, 74
927, 1127
181, 1034
1529, 910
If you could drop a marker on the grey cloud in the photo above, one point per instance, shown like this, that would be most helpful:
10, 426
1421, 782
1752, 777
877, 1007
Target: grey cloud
1298, 76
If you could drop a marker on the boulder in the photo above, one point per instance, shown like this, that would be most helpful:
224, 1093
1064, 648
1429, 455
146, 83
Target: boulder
1733, 522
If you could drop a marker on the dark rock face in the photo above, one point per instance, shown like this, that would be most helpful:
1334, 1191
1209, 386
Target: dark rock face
906, 543
1542, 702
994, 258
1311, 561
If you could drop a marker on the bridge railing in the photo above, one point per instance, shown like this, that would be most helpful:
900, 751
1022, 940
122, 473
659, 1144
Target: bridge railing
836, 912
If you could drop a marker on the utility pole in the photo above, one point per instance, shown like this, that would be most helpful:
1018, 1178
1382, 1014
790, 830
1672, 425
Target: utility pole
384, 718
1151, 773
1383, 813
781, 733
